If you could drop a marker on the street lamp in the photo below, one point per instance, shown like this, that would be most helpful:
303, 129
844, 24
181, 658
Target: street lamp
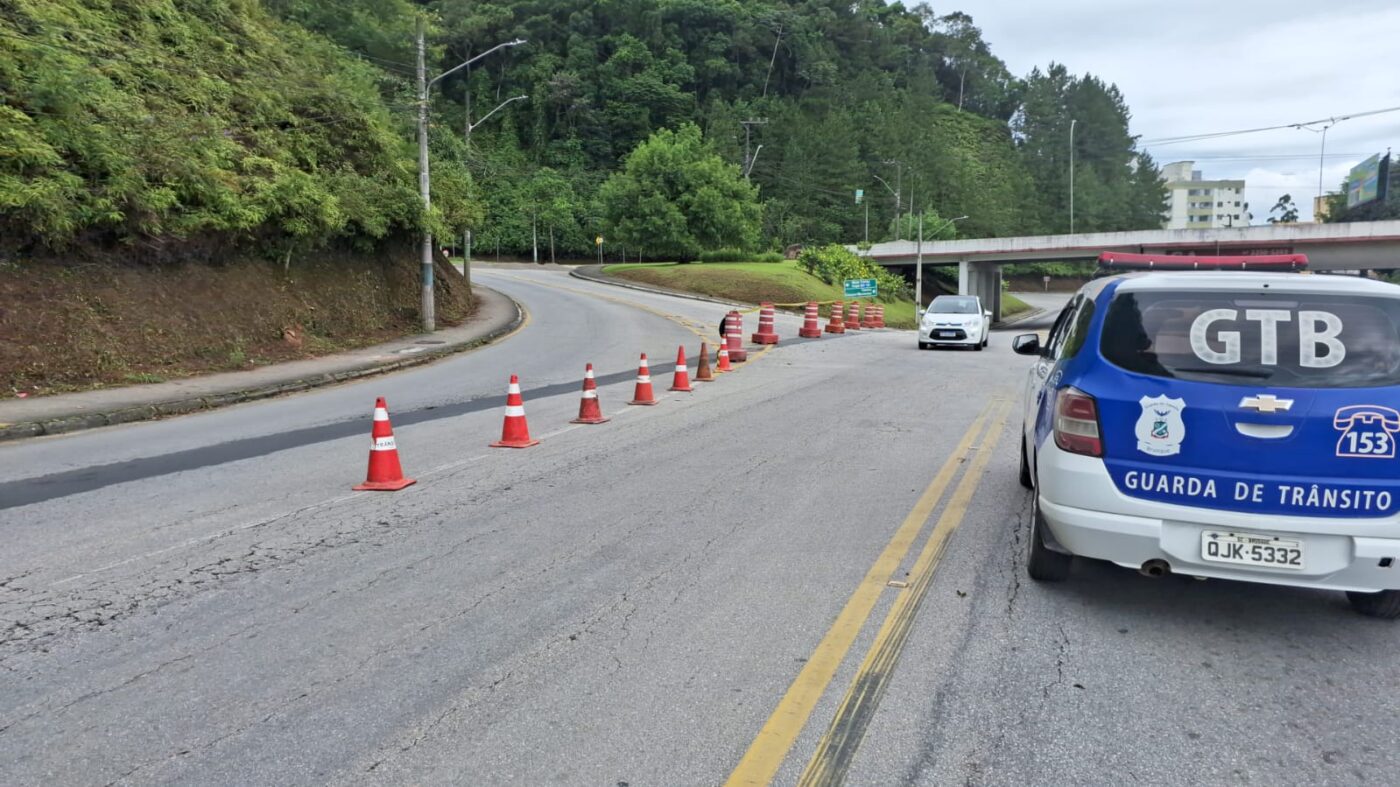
919, 264
1072, 122
424, 182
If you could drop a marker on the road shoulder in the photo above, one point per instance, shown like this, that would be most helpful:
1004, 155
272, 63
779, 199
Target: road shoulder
496, 317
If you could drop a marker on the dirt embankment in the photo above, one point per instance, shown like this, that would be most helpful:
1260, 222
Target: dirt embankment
68, 326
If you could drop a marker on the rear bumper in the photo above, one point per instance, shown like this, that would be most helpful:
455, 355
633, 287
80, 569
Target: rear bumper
1088, 516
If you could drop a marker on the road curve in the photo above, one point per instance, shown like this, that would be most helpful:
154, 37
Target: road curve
810, 567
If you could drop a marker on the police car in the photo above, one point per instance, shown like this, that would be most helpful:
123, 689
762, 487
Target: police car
1239, 423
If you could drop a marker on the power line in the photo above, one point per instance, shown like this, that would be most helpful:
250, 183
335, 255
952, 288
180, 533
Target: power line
1238, 132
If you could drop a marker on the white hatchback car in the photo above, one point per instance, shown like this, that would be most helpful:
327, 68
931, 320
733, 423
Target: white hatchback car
955, 320
1236, 425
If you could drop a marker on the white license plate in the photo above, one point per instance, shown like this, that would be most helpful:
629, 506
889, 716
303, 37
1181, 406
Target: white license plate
947, 334
1247, 549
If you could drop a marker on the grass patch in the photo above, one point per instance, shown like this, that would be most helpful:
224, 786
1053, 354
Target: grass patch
1011, 305
751, 282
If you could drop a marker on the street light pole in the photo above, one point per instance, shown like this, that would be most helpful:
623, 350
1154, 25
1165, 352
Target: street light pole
428, 306
919, 264
1071, 175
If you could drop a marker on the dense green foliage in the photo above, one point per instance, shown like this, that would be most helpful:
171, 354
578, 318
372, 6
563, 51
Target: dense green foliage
739, 255
673, 198
834, 263
280, 124
159, 122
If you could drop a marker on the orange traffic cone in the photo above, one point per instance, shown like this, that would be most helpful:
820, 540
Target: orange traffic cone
853, 316
589, 411
836, 326
681, 382
810, 329
515, 432
879, 320
867, 316
722, 364
385, 474
642, 393
702, 368
766, 334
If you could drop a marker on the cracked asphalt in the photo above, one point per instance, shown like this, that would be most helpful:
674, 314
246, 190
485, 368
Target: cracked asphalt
203, 600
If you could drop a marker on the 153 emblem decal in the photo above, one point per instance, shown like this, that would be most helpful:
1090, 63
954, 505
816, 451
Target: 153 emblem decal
1368, 431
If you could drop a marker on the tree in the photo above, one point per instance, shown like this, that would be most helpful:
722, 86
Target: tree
674, 198
1288, 212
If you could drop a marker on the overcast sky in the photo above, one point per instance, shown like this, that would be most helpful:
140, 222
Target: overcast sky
1198, 66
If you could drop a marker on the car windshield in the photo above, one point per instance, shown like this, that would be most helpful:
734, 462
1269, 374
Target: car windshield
948, 304
1300, 340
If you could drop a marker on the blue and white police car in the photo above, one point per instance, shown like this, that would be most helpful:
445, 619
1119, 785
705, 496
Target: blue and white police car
1238, 423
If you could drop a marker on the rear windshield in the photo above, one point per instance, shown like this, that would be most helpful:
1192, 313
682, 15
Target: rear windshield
1297, 340
948, 304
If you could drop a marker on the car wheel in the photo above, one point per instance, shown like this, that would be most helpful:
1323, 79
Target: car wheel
1025, 466
1385, 604
978, 346
1042, 563
986, 339
923, 345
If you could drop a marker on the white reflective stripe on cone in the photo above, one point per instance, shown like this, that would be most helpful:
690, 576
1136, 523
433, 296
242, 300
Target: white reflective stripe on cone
588, 375
380, 414
513, 389
383, 444
514, 411
680, 367
643, 378
590, 394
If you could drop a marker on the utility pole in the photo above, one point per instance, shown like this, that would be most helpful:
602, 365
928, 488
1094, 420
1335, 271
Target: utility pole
749, 159
919, 272
1071, 175
534, 233
427, 306
867, 222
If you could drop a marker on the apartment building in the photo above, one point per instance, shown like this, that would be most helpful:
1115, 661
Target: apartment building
1198, 204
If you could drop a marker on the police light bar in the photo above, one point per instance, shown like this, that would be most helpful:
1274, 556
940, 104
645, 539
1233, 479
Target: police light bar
1183, 262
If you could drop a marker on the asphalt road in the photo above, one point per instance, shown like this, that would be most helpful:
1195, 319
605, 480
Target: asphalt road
811, 566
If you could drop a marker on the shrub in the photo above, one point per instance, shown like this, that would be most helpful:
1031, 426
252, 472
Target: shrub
769, 256
834, 263
725, 255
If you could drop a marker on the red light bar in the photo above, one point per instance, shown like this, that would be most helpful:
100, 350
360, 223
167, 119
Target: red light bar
1183, 262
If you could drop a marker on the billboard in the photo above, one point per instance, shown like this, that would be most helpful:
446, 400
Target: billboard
1366, 181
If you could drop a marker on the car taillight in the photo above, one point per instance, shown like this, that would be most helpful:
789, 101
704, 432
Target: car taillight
1077, 423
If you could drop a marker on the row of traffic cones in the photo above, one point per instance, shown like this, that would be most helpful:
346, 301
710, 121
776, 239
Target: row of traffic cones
385, 472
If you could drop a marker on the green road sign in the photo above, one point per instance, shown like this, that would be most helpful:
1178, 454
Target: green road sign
860, 195
860, 288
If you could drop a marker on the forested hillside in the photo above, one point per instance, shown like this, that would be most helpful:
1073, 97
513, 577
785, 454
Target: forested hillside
175, 128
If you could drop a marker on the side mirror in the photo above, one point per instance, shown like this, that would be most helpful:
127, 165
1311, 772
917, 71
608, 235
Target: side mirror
987, 315
1026, 344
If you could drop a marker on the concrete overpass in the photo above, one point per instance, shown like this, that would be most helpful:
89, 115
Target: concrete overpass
1369, 245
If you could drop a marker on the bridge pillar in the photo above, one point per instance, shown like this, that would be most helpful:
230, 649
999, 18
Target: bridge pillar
982, 279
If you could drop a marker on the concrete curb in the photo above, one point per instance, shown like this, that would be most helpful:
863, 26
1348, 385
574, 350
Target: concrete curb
1028, 314
594, 274
146, 412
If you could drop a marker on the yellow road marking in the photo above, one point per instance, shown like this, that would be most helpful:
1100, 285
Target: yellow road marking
836, 750
768, 749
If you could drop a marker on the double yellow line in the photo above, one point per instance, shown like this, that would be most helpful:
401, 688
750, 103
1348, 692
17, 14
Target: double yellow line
838, 745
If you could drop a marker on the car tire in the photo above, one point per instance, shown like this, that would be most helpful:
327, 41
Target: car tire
1385, 604
923, 345
978, 346
1042, 563
1025, 466
986, 339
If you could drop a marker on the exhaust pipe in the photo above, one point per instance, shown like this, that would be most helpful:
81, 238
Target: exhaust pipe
1155, 568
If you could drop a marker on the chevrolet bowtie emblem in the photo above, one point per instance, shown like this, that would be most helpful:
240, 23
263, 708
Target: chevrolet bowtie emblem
1267, 403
